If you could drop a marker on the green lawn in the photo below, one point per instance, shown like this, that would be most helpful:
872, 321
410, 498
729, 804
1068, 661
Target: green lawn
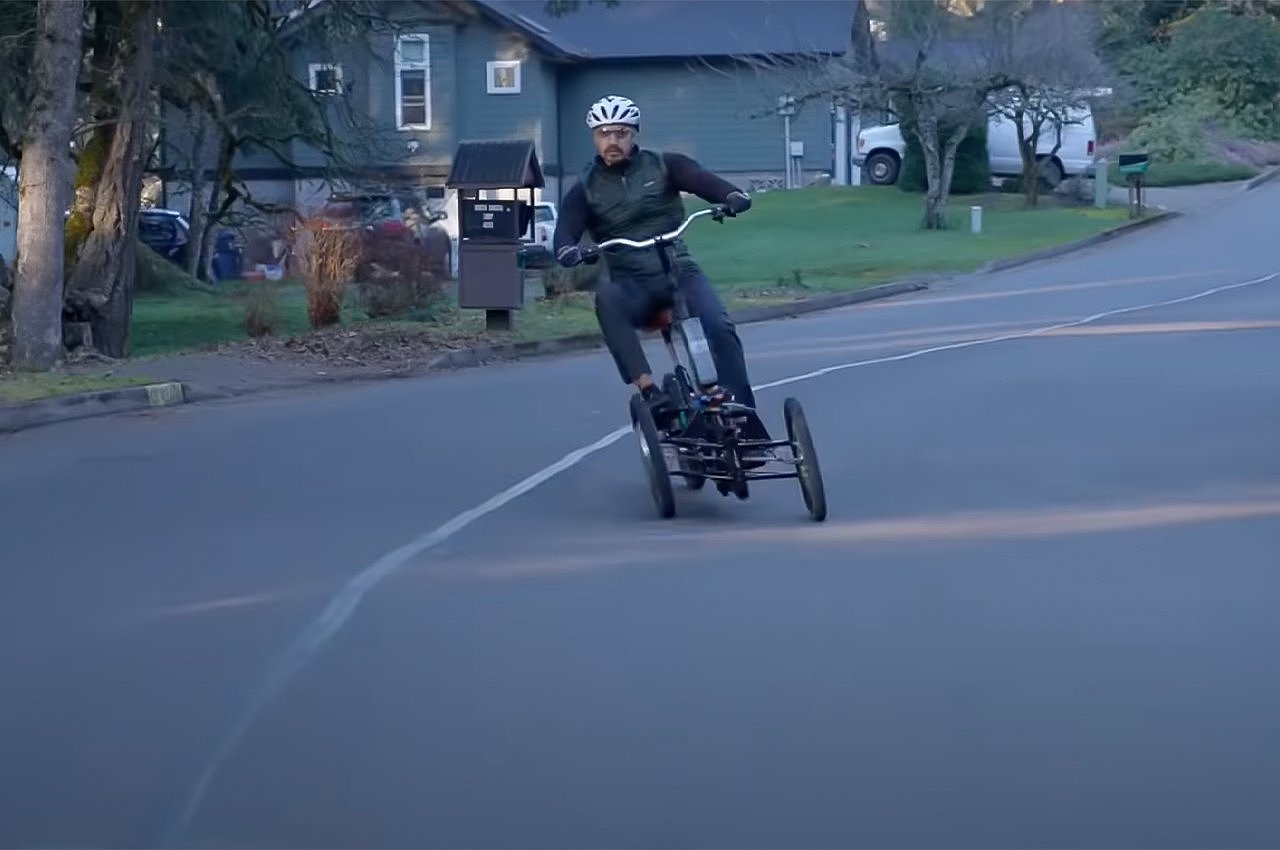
832, 239
191, 319
790, 245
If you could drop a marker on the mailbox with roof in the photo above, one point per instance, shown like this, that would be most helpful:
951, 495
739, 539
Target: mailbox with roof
490, 276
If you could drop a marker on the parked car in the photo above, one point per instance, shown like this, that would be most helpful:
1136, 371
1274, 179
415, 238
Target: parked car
166, 232
393, 212
880, 150
388, 212
538, 238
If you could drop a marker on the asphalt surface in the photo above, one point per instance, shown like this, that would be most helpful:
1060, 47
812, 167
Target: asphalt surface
1041, 613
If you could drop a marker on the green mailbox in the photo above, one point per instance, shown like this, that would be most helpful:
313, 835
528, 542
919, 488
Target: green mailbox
1134, 166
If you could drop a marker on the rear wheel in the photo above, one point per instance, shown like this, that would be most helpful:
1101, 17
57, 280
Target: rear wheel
655, 464
1051, 174
810, 474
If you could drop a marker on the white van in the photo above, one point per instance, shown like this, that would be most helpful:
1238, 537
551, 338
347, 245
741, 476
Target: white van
880, 149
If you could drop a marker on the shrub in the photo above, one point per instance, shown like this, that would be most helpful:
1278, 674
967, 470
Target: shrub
396, 274
330, 259
262, 311
1177, 133
558, 281
972, 172
159, 275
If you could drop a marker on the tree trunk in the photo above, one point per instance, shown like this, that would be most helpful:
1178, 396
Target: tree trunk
939, 166
196, 266
1027, 146
100, 290
106, 40
949, 157
935, 196
222, 196
44, 185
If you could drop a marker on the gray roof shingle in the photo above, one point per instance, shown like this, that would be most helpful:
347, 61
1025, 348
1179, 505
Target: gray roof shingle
670, 29
495, 164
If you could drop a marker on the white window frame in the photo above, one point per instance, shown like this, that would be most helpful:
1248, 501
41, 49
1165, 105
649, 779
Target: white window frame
494, 65
425, 66
313, 72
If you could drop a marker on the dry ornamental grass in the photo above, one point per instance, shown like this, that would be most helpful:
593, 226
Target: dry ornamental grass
329, 260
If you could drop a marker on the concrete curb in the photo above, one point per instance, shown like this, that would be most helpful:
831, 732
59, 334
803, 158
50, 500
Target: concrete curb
1078, 245
465, 358
830, 302
85, 405
1263, 178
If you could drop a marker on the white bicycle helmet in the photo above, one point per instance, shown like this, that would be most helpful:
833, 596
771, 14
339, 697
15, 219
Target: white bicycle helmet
613, 109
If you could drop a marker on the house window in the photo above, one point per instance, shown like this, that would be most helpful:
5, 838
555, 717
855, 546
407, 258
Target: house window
325, 79
413, 82
504, 77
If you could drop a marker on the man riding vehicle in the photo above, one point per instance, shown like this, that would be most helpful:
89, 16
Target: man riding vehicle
631, 192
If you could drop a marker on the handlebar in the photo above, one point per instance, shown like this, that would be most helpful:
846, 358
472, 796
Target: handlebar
716, 212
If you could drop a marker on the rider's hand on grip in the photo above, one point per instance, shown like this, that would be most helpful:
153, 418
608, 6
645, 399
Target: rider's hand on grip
737, 202
572, 255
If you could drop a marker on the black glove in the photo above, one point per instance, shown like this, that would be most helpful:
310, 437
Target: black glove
572, 255
737, 202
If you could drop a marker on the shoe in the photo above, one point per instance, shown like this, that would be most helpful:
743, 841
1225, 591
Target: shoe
661, 405
715, 396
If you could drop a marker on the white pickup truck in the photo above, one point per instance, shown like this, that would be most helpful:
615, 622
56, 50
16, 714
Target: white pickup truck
537, 249
880, 150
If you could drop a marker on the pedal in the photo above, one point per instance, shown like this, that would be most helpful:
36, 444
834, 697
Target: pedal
713, 398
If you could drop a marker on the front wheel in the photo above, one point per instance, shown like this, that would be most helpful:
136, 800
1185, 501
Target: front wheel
881, 169
807, 469
655, 464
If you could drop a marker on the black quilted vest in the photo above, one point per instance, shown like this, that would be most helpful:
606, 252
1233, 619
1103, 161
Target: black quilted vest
634, 200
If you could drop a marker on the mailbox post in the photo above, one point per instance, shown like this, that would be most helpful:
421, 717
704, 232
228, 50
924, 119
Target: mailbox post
1133, 166
490, 276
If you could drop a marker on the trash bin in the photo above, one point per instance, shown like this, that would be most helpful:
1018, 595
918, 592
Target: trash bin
226, 261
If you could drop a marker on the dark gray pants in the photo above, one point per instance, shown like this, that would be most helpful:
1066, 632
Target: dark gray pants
624, 306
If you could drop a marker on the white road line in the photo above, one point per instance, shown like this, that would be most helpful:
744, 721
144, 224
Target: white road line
343, 605
1075, 323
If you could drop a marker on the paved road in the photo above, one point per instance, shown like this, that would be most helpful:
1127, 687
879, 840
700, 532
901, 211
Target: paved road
1041, 614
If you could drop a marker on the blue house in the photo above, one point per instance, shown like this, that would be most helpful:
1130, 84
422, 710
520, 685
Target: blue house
454, 70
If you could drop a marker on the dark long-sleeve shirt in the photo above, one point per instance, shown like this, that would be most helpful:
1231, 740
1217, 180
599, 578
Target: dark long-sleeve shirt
685, 174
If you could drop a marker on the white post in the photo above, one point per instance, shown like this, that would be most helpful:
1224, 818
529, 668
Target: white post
855, 127
975, 219
786, 132
842, 147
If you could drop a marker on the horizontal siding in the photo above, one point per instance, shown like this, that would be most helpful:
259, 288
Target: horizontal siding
695, 110
370, 72
527, 115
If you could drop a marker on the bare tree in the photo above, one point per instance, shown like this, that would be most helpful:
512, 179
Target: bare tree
44, 185
17, 41
100, 287
227, 71
933, 69
1049, 54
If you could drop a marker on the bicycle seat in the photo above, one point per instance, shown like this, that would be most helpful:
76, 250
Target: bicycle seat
659, 321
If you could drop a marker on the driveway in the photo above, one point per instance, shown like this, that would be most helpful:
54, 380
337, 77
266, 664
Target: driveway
439, 612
